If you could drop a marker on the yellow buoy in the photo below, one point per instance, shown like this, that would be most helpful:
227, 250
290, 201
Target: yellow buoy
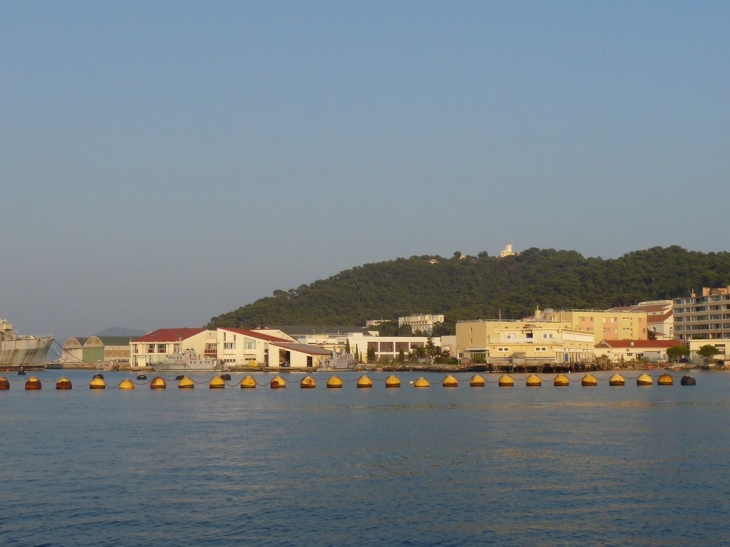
392, 381
616, 380
217, 383
186, 383
421, 382
644, 380
365, 382
665, 380
589, 381
277, 383
158, 382
561, 380
33, 383
4, 384
97, 383
63, 383
334, 382
533, 381
506, 381
450, 381
248, 382
126, 384
477, 381
308, 383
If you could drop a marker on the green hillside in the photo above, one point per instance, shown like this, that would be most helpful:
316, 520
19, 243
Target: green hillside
484, 287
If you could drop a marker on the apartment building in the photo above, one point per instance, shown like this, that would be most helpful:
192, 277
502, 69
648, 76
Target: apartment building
604, 325
703, 317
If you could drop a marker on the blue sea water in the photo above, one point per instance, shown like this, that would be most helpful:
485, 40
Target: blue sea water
461, 466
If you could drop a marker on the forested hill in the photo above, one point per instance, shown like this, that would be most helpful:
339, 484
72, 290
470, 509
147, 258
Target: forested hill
484, 286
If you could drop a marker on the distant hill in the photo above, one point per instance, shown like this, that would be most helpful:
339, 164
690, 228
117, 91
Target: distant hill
469, 287
120, 331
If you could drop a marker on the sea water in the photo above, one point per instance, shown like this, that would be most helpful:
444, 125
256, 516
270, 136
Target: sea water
437, 466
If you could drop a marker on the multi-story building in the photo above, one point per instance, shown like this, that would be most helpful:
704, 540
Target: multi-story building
500, 341
703, 317
659, 317
422, 322
604, 325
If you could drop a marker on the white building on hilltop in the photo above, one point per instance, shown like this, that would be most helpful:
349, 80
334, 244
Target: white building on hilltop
507, 251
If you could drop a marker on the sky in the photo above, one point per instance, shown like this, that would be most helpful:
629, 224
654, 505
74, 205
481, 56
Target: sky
162, 162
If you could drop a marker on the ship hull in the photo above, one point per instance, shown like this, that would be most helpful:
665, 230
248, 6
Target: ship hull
25, 352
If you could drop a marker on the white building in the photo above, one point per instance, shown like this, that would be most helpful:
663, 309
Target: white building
158, 345
422, 322
239, 347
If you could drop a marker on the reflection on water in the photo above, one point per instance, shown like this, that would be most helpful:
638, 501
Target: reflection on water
517, 466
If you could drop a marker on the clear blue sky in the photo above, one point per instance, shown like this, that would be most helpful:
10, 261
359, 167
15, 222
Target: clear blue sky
165, 162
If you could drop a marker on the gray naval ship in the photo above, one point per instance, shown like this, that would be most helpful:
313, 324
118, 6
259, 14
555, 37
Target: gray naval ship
19, 351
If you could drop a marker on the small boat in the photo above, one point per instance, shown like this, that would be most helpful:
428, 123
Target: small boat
338, 362
188, 362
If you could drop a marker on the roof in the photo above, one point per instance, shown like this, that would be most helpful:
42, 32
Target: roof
105, 340
303, 348
659, 318
169, 335
255, 334
645, 344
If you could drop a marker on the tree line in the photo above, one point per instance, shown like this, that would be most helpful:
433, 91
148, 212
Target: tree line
483, 287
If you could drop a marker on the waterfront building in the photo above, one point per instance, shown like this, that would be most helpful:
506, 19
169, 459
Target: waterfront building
249, 347
112, 350
359, 340
722, 345
604, 325
158, 345
618, 351
421, 323
522, 342
703, 317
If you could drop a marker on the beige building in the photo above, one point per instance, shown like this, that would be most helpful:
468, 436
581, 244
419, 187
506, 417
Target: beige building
605, 325
522, 342
659, 317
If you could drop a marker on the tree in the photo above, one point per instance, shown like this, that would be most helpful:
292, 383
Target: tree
675, 353
371, 354
708, 351
347, 346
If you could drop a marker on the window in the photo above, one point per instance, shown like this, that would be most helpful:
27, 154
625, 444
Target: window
150, 348
229, 345
547, 335
248, 343
161, 348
